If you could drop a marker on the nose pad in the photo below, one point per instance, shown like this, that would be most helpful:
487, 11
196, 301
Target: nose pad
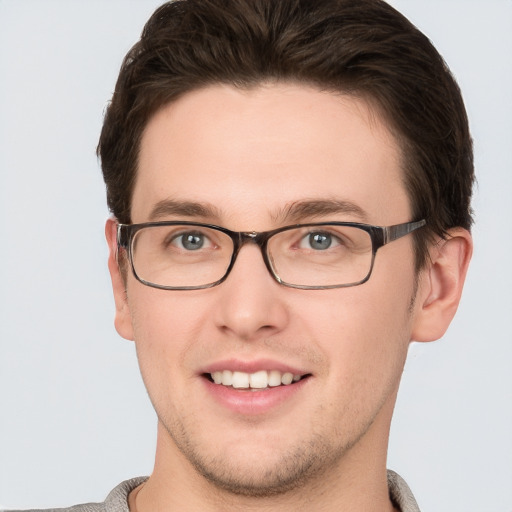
251, 302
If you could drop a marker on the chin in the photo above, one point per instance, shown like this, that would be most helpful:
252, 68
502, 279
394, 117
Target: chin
290, 473
263, 470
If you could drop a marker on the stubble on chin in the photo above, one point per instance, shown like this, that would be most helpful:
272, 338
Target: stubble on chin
303, 464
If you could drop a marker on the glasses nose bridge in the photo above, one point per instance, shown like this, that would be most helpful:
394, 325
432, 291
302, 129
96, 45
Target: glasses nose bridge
251, 237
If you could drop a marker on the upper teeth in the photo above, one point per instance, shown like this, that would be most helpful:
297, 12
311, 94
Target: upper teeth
258, 380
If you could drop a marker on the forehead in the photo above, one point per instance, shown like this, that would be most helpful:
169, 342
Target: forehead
243, 152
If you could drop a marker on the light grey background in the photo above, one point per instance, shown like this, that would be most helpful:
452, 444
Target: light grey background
74, 416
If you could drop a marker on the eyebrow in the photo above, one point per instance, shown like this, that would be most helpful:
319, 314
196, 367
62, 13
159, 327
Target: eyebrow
309, 209
170, 207
294, 213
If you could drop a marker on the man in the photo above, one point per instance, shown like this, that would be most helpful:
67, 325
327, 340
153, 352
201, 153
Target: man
290, 185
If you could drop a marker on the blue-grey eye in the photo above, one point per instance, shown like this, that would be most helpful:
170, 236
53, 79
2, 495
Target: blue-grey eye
191, 241
317, 241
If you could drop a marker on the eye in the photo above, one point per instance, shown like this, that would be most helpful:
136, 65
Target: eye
318, 241
191, 241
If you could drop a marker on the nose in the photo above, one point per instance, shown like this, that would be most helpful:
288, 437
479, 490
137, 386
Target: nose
251, 303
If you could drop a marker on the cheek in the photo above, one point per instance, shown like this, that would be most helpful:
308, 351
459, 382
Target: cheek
166, 328
164, 320
363, 331
363, 337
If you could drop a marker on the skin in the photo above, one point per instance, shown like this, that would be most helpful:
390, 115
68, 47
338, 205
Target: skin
250, 155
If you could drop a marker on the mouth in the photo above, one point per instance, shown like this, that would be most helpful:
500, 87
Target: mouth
260, 380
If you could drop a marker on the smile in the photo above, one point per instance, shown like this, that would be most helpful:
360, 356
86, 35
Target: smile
258, 380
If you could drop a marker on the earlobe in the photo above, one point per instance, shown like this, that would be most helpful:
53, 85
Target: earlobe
441, 284
122, 321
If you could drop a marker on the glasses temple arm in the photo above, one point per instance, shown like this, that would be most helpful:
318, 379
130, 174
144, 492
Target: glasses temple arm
392, 233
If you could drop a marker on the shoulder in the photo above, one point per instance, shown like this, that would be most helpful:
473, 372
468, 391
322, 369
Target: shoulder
116, 501
400, 493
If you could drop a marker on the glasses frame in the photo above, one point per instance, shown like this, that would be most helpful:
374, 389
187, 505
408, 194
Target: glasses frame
380, 236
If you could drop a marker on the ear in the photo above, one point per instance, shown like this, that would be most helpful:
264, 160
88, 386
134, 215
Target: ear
123, 320
441, 284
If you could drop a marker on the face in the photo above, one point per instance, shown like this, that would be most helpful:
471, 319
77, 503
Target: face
245, 160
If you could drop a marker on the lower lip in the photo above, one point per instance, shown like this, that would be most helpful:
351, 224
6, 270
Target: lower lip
253, 402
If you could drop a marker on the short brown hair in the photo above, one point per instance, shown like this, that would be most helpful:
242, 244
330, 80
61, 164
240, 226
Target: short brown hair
360, 47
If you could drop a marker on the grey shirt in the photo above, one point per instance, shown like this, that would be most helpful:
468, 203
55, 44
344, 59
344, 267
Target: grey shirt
117, 500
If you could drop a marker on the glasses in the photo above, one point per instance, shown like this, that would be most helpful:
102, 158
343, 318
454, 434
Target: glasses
316, 256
